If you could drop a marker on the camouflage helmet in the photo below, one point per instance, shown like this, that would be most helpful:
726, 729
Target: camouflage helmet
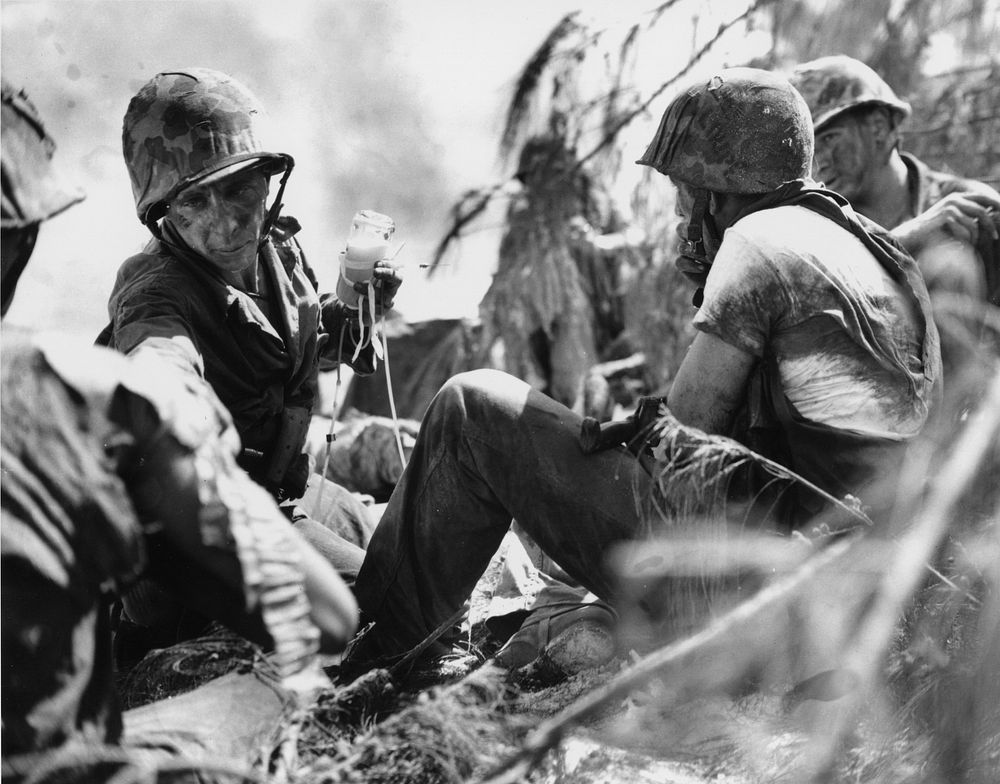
33, 188
184, 126
745, 130
838, 83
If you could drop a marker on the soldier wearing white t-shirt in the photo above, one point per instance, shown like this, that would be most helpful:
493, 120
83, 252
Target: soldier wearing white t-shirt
814, 347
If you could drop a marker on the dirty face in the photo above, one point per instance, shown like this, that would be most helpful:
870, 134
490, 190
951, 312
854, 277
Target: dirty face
222, 221
848, 155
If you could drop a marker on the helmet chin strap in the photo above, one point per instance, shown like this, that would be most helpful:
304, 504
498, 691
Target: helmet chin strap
693, 248
276, 205
694, 261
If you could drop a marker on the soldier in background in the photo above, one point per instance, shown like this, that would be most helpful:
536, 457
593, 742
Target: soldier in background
948, 223
116, 468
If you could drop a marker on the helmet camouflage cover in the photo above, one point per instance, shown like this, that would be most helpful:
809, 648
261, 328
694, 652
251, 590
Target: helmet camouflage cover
838, 83
183, 126
33, 189
745, 130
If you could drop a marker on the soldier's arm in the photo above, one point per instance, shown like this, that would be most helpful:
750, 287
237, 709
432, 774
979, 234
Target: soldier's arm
965, 215
710, 385
217, 538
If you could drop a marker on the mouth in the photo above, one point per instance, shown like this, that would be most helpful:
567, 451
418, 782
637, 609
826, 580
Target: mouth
232, 251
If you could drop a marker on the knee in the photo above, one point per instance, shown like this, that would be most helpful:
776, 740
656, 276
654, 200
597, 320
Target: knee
474, 394
473, 383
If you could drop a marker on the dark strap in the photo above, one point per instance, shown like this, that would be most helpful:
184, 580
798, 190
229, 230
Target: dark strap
105, 336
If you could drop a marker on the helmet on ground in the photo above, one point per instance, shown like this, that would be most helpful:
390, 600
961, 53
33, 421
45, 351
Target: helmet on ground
187, 126
33, 188
745, 130
838, 83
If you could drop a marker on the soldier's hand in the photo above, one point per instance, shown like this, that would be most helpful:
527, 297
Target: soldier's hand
960, 215
647, 413
386, 280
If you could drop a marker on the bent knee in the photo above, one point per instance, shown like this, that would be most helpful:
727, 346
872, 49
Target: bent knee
473, 381
476, 390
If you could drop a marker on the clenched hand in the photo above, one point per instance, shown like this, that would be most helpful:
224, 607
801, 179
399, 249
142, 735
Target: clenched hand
961, 215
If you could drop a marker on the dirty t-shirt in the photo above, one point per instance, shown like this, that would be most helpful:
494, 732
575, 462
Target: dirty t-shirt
791, 283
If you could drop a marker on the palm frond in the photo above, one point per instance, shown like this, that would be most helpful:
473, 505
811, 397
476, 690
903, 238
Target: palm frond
470, 206
657, 13
612, 134
529, 79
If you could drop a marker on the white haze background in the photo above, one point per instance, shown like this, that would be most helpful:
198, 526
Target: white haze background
388, 105
391, 105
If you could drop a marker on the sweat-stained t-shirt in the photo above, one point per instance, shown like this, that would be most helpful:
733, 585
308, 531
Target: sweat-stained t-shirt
790, 283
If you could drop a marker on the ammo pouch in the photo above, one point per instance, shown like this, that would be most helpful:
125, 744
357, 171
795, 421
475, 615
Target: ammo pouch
287, 468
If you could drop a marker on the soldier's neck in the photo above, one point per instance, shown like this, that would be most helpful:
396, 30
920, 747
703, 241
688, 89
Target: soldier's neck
887, 201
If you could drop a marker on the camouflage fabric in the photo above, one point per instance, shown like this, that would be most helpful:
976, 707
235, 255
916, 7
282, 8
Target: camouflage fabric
743, 131
33, 189
185, 125
835, 84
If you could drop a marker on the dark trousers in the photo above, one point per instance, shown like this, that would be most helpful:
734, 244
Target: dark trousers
491, 449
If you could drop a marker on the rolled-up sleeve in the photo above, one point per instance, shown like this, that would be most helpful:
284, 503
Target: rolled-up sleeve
148, 320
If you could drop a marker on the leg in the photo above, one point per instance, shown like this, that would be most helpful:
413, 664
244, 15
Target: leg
490, 448
337, 508
335, 522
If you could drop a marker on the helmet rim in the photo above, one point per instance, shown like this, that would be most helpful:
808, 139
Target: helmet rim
836, 84
35, 188
221, 170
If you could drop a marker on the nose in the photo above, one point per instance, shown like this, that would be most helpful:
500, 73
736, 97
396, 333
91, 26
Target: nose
227, 217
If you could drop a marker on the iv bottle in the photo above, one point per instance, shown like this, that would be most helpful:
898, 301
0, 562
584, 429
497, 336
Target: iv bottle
367, 243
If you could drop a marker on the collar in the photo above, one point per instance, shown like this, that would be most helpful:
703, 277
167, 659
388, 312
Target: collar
916, 182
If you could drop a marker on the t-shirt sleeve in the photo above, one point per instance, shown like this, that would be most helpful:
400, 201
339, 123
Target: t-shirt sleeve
743, 295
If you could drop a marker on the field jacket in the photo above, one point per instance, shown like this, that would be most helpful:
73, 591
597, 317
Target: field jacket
266, 374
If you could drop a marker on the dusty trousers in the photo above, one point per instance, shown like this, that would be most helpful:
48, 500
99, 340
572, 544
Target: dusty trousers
490, 450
